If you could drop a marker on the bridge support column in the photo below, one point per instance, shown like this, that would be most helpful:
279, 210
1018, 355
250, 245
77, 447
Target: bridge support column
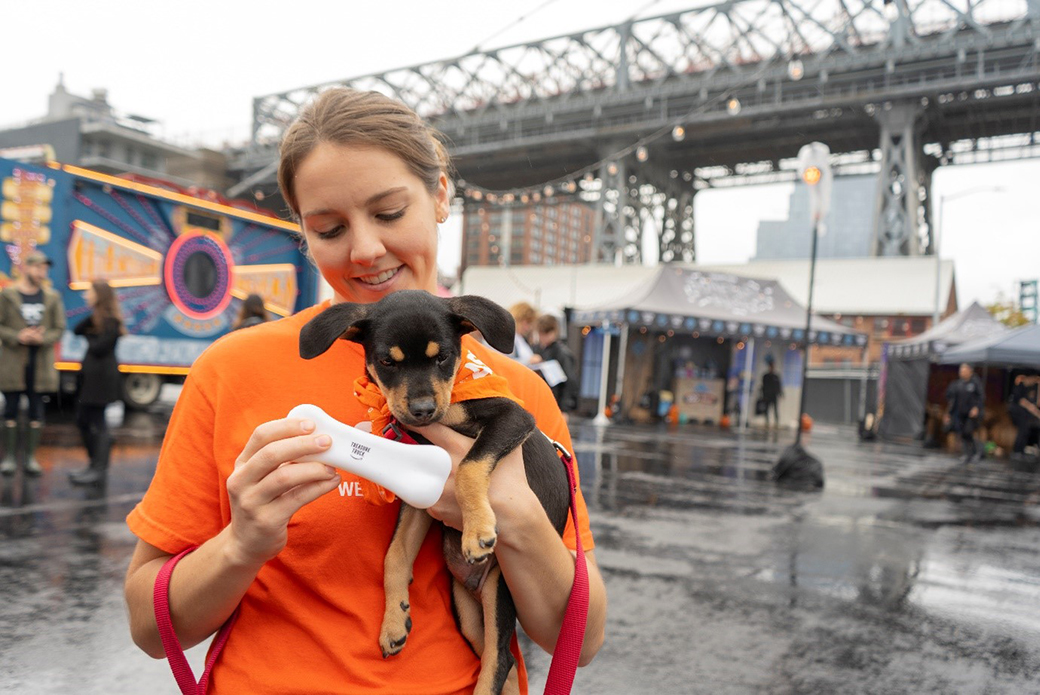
677, 231
608, 233
902, 213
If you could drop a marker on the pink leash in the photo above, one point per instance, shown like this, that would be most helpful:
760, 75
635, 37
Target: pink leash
572, 632
171, 645
561, 670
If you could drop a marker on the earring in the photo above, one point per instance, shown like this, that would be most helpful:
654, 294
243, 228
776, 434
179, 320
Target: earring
442, 219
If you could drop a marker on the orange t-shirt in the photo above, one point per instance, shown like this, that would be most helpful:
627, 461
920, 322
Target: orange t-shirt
310, 621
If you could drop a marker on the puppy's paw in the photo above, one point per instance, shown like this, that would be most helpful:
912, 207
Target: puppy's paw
397, 623
478, 544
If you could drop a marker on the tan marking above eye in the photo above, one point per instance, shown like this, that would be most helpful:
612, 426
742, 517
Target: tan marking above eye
433, 349
397, 354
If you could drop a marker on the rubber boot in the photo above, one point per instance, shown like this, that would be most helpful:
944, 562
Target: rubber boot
10, 463
32, 440
100, 448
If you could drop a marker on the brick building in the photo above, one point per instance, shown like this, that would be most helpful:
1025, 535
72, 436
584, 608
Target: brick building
544, 234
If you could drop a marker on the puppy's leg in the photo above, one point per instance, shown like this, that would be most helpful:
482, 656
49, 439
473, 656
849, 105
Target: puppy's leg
499, 626
412, 525
469, 616
504, 427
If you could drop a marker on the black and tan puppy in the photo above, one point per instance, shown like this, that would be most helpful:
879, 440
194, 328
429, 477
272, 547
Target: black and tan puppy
413, 350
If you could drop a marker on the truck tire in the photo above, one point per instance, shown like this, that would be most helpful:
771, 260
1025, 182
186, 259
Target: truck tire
141, 390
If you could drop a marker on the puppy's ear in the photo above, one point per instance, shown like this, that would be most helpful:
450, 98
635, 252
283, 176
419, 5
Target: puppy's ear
347, 321
479, 314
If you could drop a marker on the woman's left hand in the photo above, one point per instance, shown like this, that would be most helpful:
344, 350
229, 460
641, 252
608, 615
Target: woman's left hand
507, 486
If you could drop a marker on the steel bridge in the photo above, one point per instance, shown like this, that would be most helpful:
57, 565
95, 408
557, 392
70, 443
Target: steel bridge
641, 115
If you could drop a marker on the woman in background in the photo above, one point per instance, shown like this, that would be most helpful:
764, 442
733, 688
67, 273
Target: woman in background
251, 313
100, 383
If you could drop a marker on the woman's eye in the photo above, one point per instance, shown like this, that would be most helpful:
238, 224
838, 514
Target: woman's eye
391, 216
330, 233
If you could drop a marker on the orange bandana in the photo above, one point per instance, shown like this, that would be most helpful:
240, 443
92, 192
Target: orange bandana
474, 380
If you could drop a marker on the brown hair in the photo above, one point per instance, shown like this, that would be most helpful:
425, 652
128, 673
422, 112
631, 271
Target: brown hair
522, 311
548, 323
106, 306
345, 116
252, 306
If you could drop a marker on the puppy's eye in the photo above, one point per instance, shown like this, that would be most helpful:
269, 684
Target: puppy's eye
387, 362
441, 358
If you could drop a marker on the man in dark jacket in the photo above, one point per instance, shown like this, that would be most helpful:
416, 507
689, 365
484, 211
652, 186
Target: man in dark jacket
550, 348
1025, 412
965, 398
32, 320
772, 391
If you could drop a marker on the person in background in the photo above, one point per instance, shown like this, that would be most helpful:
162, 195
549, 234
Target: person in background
100, 383
551, 348
964, 398
32, 320
251, 313
524, 315
1025, 412
772, 391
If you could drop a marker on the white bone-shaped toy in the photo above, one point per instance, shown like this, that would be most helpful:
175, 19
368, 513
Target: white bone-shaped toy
414, 472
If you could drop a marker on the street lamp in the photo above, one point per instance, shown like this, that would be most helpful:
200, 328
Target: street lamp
938, 235
796, 464
815, 168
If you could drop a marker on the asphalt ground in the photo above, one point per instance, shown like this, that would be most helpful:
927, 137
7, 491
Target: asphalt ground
910, 572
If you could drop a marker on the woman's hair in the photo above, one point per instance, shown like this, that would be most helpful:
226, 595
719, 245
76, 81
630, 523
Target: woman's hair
522, 311
343, 116
252, 306
106, 306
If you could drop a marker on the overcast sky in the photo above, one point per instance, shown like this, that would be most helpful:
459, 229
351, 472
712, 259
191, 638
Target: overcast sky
196, 66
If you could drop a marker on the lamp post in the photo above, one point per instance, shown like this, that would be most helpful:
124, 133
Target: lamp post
815, 168
796, 465
938, 236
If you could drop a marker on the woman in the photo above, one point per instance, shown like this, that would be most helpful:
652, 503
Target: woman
100, 383
251, 313
293, 546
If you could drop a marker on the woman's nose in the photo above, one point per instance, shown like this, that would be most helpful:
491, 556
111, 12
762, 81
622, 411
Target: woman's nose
366, 245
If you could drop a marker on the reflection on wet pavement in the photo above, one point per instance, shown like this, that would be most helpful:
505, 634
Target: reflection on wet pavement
910, 572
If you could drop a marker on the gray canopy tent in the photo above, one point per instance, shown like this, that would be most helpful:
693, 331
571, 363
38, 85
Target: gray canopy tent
684, 299
908, 364
1019, 347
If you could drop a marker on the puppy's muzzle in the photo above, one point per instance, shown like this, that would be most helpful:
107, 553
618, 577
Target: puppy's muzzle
421, 411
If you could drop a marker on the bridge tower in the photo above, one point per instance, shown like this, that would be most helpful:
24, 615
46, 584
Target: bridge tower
903, 210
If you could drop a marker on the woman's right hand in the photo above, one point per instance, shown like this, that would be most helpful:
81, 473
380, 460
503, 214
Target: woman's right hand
267, 487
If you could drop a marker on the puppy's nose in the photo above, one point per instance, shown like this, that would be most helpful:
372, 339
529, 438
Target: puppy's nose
422, 408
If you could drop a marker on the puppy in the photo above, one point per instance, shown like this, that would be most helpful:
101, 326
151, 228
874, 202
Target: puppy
413, 352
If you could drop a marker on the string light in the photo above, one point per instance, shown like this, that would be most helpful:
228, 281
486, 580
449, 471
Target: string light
733, 106
795, 70
641, 154
678, 133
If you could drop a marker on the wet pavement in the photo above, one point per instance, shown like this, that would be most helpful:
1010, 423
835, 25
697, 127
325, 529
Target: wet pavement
909, 573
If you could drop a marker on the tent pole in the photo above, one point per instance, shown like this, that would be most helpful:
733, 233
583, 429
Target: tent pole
749, 365
601, 418
622, 350
863, 384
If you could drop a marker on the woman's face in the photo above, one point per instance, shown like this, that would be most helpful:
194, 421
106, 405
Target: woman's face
370, 223
90, 296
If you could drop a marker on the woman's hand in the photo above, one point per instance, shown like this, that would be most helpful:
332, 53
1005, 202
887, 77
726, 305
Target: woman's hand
267, 488
508, 485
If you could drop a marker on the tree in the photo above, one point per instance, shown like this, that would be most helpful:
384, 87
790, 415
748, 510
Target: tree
1005, 311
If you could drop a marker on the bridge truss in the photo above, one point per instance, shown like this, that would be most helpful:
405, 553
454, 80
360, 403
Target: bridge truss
639, 116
